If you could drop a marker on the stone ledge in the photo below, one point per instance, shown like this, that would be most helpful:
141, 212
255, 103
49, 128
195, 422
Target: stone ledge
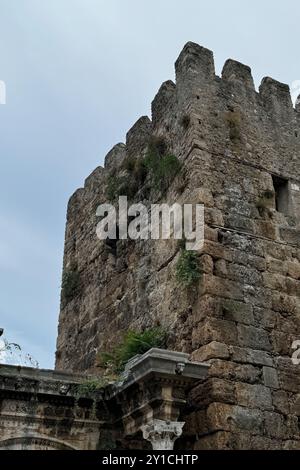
164, 362
39, 374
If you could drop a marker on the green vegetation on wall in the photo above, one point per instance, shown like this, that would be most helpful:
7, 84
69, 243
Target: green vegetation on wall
233, 119
70, 284
89, 387
133, 343
117, 186
187, 268
185, 121
265, 203
162, 166
159, 166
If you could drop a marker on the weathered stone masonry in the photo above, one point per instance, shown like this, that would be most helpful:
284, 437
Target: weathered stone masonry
240, 151
49, 410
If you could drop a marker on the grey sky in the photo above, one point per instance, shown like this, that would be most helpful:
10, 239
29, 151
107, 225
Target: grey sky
78, 74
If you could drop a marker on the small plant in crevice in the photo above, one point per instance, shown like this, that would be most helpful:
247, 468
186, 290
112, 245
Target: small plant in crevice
261, 204
70, 283
136, 169
106, 441
185, 121
129, 164
116, 186
231, 307
264, 203
187, 268
132, 344
162, 166
140, 170
127, 185
182, 182
268, 194
157, 144
233, 119
158, 168
89, 387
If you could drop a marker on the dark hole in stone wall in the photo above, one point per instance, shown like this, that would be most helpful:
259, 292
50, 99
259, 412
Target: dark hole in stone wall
281, 188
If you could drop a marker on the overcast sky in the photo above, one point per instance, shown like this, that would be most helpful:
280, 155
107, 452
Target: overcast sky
78, 74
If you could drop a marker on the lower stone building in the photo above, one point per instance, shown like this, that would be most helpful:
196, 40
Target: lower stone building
51, 410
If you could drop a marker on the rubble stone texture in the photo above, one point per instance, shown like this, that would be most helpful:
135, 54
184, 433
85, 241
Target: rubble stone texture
240, 151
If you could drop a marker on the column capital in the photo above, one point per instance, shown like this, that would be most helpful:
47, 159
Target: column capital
162, 434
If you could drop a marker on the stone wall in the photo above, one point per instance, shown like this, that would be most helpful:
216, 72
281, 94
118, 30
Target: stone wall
38, 411
240, 154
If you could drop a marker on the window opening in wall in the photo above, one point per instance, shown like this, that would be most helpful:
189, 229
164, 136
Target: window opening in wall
281, 189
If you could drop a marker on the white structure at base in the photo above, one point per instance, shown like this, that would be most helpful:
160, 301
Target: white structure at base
162, 434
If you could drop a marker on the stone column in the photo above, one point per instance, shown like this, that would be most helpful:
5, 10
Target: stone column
162, 434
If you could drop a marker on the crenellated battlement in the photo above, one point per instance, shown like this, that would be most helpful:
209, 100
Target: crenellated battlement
206, 98
234, 71
222, 115
196, 62
200, 93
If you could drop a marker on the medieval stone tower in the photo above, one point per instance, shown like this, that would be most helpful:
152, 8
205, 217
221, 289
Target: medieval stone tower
239, 151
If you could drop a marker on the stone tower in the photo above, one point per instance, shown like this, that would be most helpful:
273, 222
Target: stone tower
240, 156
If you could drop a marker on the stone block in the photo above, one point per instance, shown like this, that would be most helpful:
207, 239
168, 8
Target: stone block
213, 390
212, 350
254, 396
293, 269
218, 440
239, 312
207, 264
214, 329
255, 338
202, 196
221, 287
270, 377
281, 342
278, 426
295, 406
264, 318
288, 375
235, 372
233, 418
274, 281
290, 235
251, 356
220, 268
281, 402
